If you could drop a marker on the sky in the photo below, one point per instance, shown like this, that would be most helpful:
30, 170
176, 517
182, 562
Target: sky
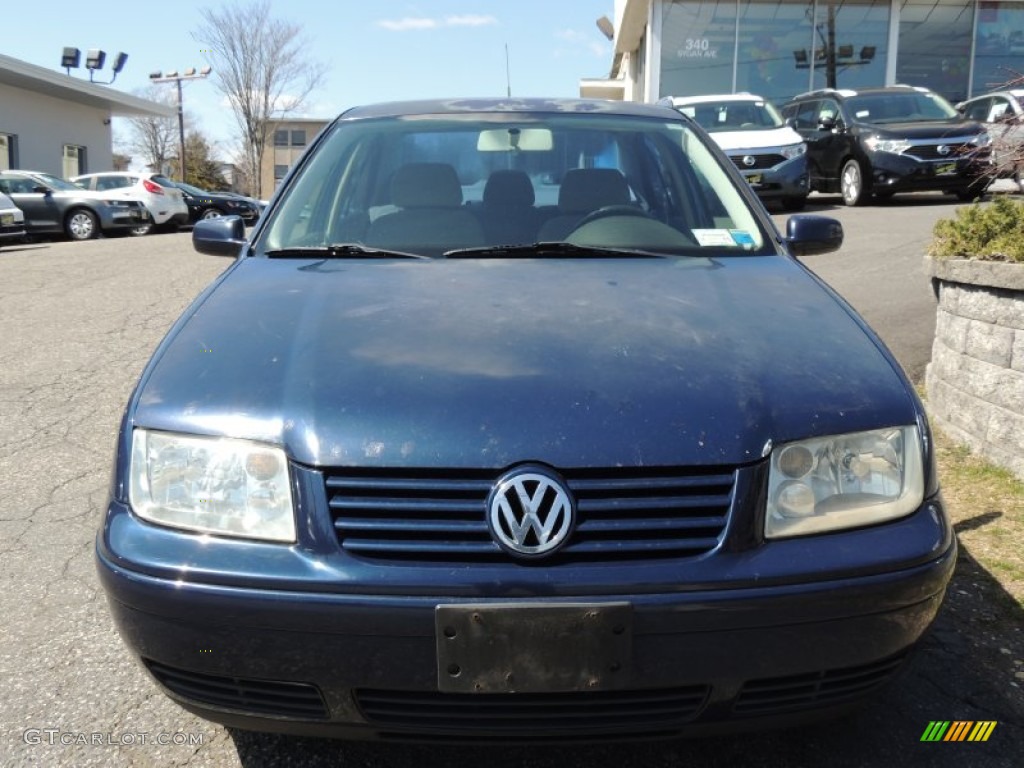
374, 50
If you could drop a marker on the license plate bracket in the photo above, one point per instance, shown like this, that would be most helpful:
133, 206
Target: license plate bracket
534, 647
945, 169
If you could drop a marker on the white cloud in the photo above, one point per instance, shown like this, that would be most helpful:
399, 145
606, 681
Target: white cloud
470, 21
409, 22
422, 22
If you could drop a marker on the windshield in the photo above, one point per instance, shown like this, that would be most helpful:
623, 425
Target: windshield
196, 191
723, 116
900, 107
432, 184
57, 183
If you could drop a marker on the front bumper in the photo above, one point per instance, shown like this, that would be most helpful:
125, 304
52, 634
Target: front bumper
357, 660
898, 173
785, 180
124, 218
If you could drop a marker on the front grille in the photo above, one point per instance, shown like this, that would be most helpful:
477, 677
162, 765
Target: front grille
761, 162
931, 151
781, 694
533, 714
439, 516
260, 697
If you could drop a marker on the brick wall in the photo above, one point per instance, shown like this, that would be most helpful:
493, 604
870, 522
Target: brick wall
975, 380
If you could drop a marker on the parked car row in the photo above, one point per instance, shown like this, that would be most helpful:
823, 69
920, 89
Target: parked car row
162, 198
111, 202
53, 206
866, 143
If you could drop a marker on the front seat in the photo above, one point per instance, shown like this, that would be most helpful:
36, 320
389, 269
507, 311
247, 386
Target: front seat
508, 215
583, 191
431, 215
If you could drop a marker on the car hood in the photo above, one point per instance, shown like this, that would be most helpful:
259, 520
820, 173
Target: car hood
485, 363
777, 137
932, 129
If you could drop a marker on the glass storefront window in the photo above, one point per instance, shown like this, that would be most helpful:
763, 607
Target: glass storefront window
777, 50
698, 40
999, 45
935, 45
850, 43
769, 34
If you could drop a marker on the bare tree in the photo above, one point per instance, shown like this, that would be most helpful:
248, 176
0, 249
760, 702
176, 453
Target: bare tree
259, 65
152, 138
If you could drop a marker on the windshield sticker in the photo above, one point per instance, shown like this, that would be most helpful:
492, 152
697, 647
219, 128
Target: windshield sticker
863, 113
713, 237
740, 237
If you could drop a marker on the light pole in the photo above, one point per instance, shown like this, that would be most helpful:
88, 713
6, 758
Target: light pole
173, 76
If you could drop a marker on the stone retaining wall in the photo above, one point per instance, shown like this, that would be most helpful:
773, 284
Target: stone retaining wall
975, 380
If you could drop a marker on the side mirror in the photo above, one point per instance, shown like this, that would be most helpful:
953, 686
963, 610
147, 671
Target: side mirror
223, 236
808, 234
41, 190
826, 124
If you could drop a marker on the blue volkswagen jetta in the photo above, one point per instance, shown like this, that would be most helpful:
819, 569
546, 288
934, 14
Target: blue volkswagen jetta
518, 419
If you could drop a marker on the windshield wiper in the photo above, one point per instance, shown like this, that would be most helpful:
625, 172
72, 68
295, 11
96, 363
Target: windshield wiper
340, 251
557, 248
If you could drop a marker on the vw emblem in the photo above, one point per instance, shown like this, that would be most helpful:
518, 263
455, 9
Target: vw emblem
530, 513
942, 149
749, 160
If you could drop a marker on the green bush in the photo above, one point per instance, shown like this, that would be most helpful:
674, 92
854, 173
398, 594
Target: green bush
993, 232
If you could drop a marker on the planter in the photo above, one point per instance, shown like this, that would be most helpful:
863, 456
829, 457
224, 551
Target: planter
975, 380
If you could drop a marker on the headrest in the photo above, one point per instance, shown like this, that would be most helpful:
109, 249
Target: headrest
511, 188
426, 185
587, 189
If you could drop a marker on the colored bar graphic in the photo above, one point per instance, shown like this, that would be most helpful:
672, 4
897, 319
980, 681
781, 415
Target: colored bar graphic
958, 730
982, 730
935, 731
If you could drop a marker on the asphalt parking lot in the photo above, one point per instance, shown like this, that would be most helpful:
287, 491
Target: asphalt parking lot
79, 321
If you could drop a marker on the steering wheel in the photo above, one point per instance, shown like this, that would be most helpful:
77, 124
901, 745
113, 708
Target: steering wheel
609, 211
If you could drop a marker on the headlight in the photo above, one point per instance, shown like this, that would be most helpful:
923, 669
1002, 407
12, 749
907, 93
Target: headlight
212, 484
843, 481
794, 150
983, 139
876, 144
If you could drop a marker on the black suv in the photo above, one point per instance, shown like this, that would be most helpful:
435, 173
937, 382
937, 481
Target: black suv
886, 140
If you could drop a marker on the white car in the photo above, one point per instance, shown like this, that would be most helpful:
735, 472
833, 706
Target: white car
12, 221
1002, 113
768, 152
165, 203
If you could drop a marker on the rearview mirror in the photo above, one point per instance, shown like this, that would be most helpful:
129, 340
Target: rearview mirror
515, 139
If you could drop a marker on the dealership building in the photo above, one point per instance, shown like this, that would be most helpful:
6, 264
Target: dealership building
779, 48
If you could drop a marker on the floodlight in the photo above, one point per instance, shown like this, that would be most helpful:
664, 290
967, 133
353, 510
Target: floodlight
94, 58
867, 53
800, 56
119, 62
72, 58
845, 51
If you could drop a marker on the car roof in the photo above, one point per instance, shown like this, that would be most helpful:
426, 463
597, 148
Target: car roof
849, 92
1017, 93
511, 105
682, 101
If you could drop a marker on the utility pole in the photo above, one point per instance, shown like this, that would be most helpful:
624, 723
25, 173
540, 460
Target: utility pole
173, 76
